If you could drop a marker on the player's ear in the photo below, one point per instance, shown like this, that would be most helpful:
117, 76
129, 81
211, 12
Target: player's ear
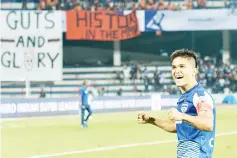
195, 71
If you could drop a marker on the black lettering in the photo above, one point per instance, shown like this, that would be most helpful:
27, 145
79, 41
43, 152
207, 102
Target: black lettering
37, 19
41, 41
132, 18
120, 21
78, 18
133, 29
14, 61
110, 19
30, 40
122, 33
49, 20
90, 21
90, 34
102, 34
99, 25
8, 62
52, 59
125, 33
24, 22
111, 35
115, 34
40, 58
20, 41
13, 27
128, 31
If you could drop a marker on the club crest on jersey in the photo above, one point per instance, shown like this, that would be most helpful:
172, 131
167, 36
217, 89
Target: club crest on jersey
184, 106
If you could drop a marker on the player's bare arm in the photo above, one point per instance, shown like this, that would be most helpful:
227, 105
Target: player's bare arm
167, 125
203, 121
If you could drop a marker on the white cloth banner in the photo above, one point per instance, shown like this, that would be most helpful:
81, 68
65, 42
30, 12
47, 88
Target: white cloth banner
190, 20
31, 45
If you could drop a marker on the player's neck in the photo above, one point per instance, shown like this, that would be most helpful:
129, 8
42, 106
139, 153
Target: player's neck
187, 87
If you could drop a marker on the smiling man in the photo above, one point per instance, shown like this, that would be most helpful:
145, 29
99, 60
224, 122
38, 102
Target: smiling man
195, 117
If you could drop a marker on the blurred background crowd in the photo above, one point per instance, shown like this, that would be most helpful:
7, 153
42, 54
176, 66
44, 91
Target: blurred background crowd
216, 76
98, 5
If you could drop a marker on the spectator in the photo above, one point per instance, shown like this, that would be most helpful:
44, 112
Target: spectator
170, 6
132, 6
67, 5
188, 4
126, 73
101, 91
156, 77
24, 4
201, 4
146, 83
151, 5
134, 73
119, 76
53, 5
42, 5
222, 84
42, 93
161, 6
142, 5
209, 76
145, 73
77, 6
120, 91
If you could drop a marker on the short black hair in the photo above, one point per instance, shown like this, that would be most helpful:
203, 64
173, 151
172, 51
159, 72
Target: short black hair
186, 53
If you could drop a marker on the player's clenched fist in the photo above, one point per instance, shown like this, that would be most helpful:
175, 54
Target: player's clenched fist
175, 115
142, 118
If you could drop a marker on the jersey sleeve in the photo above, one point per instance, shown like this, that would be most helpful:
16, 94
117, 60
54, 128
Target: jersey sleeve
202, 99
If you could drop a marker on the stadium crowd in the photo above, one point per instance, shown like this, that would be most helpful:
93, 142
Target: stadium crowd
113, 5
214, 75
99, 5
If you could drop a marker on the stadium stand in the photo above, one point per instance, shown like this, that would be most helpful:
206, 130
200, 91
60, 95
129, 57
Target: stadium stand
113, 4
109, 81
73, 78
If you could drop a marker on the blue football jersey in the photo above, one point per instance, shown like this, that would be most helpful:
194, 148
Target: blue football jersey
192, 142
84, 95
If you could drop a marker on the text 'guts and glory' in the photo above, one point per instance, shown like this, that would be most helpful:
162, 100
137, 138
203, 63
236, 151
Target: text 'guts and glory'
31, 45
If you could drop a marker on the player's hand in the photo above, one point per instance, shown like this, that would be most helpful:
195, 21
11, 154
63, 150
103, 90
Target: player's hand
175, 115
142, 118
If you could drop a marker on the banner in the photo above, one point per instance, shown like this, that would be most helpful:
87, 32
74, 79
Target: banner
101, 26
124, 103
31, 45
38, 107
190, 20
11, 108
